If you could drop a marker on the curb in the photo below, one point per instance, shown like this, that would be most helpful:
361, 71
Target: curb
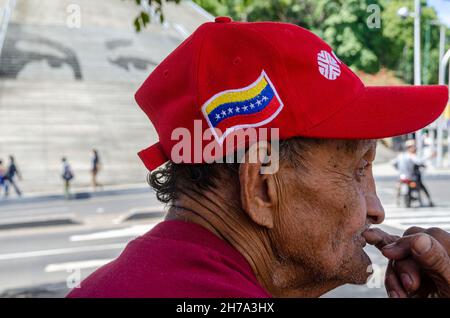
38, 223
82, 195
137, 214
438, 177
50, 290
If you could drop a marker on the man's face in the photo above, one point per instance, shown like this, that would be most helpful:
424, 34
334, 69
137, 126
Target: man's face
323, 211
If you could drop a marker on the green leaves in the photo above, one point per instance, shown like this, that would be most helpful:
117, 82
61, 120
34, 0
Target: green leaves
141, 20
341, 23
144, 17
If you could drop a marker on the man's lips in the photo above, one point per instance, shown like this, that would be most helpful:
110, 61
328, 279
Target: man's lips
361, 235
364, 242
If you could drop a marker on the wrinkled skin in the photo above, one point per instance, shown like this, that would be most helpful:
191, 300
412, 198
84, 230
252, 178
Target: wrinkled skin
302, 229
322, 214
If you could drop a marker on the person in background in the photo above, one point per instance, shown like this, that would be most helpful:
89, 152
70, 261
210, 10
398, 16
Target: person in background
95, 168
67, 176
11, 173
408, 164
2, 175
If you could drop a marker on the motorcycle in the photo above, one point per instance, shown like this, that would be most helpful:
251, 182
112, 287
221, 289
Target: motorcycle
409, 190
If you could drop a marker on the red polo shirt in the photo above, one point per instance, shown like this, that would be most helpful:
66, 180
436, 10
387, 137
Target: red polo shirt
174, 259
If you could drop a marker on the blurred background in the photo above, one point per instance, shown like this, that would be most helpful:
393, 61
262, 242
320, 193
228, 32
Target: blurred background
68, 73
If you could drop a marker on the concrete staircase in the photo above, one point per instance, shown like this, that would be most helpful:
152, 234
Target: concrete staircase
64, 91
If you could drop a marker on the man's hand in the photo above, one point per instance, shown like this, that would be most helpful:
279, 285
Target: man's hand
419, 262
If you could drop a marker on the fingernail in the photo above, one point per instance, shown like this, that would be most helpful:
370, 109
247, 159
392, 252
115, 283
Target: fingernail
386, 247
393, 294
422, 245
406, 280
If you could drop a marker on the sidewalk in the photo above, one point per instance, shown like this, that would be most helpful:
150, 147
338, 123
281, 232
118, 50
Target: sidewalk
385, 171
77, 193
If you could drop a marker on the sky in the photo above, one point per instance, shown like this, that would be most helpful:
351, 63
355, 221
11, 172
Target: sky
443, 9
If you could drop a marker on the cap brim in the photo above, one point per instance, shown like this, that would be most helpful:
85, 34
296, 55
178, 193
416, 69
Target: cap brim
384, 111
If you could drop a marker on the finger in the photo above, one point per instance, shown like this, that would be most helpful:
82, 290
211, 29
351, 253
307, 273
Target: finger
392, 283
439, 234
443, 237
400, 249
414, 230
425, 250
409, 273
430, 255
379, 238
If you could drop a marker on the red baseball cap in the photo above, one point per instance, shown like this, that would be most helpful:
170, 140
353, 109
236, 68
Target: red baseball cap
234, 75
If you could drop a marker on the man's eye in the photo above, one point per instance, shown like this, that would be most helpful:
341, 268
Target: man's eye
361, 171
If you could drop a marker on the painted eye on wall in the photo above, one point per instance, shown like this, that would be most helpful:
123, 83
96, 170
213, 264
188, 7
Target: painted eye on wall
129, 62
25, 50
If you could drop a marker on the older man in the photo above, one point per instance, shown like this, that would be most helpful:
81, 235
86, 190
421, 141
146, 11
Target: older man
236, 230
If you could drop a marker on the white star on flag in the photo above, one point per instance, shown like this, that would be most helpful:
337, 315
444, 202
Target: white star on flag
217, 116
223, 113
237, 109
245, 108
252, 106
265, 98
258, 102
230, 110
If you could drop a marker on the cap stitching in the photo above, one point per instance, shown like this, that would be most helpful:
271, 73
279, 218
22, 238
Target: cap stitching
351, 101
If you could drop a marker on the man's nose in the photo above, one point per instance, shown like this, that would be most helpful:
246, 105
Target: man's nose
375, 211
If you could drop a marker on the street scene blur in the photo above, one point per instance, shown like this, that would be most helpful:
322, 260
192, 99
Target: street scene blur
73, 191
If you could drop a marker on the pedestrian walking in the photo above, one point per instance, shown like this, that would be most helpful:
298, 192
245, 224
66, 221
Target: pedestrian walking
10, 177
67, 176
2, 176
95, 168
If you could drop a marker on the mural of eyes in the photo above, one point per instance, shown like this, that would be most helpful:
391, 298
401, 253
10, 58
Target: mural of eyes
22, 48
127, 62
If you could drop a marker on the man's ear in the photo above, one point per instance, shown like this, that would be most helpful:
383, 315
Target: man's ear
258, 191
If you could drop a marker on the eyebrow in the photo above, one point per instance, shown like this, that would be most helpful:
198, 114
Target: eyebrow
352, 146
369, 146
357, 148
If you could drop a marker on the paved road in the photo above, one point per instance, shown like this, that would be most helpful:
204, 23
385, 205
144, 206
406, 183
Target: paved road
46, 256
403, 218
43, 255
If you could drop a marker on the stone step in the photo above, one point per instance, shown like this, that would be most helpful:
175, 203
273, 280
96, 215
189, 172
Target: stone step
64, 91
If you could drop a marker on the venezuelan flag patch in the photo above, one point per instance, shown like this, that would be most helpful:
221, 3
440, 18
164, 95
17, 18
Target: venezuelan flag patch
254, 105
